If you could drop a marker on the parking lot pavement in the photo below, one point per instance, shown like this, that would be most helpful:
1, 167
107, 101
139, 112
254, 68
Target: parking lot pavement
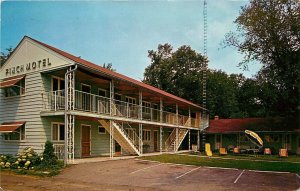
135, 175
141, 175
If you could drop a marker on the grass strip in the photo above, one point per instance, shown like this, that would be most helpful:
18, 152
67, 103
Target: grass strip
226, 163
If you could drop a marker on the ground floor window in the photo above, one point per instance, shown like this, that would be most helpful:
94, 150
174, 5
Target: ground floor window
146, 135
58, 131
18, 135
101, 129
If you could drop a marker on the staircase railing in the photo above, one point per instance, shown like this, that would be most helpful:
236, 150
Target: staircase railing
170, 140
133, 138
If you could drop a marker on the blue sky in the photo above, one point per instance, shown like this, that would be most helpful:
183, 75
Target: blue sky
122, 32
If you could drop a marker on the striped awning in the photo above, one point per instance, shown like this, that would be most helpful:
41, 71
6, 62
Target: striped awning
8, 82
10, 127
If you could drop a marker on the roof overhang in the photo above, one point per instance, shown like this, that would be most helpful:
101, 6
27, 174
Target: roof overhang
10, 127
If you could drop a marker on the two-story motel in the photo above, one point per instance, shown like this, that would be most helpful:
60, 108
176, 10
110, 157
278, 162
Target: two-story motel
87, 110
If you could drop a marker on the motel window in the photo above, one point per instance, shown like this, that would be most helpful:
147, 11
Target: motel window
18, 135
146, 135
58, 84
146, 107
101, 130
102, 92
15, 90
58, 132
130, 100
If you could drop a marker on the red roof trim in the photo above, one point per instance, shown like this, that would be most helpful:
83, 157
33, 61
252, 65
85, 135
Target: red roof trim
11, 81
115, 74
10, 126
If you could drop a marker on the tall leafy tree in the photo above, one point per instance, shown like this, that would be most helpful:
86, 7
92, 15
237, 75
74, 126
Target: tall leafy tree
269, 31
177, 72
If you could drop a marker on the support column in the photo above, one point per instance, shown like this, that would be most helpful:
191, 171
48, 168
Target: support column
177, 130
198, 140
190, 120
111, 129
69, 118
140, 118
160, 128
189, 139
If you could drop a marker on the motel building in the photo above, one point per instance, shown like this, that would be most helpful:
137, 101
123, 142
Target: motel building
86, 110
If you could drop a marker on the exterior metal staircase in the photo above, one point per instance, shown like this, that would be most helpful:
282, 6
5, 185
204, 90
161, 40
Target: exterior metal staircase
171, 144
130, 143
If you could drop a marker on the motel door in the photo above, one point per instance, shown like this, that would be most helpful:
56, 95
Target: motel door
86, 97
155, 140
85, 140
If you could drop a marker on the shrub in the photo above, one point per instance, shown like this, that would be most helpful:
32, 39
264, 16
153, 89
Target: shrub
49, 158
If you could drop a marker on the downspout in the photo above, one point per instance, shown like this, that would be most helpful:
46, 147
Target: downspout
66, 113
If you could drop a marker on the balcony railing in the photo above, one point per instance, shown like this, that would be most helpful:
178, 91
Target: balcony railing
87, 102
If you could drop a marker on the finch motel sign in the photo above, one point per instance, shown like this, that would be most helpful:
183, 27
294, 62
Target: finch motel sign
31, 66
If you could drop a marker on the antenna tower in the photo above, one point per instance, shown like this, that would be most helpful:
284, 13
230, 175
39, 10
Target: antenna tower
204, 74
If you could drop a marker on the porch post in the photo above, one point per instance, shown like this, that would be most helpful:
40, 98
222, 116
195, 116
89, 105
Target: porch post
198, 140
190, 120
141, 125
189, 139
160, 128
69, 118
111, 130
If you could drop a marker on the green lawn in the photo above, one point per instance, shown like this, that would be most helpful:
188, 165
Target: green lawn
291, 158
283, 166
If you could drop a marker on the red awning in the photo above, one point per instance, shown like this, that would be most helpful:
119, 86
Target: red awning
10, 127
8, 82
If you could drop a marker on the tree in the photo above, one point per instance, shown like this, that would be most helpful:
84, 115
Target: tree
4, 55
177, 72
269, 31
108, 66
180, 72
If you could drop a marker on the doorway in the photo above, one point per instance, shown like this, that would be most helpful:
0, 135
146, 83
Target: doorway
85, 140
155, 138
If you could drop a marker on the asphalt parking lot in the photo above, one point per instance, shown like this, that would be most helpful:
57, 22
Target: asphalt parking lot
160, 176
134, 174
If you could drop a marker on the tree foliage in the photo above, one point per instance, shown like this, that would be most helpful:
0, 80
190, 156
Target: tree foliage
4, 55
269, 31
108, 66
177, 72
180, 72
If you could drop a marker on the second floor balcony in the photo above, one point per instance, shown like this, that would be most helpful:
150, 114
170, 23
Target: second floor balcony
90, 103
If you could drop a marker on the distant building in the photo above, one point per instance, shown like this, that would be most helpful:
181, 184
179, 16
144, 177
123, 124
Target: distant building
276, 133
87, 110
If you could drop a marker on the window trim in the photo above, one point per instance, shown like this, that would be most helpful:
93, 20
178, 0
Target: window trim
58, 85
146, 130
57, 123
104, 90
20, 140
130, 98
83, 84
101, 133
146, 109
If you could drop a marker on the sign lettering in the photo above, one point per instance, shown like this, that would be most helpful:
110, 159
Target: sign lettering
35, 65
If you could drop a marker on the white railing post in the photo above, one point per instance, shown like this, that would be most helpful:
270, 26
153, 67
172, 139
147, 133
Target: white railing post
55, 100
111, 144
127, 110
